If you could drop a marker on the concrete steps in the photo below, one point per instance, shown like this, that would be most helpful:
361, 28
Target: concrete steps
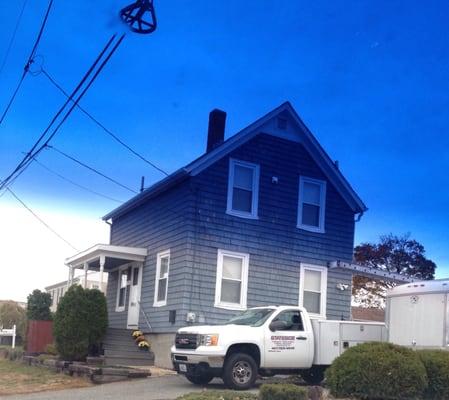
120, 349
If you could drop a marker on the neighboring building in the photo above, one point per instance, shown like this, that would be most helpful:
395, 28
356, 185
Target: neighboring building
368, 314
265, 217
58, 290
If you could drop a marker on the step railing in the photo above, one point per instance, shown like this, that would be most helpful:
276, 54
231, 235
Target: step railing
147, 320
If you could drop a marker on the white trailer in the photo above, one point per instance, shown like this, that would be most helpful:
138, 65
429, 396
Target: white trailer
417, 314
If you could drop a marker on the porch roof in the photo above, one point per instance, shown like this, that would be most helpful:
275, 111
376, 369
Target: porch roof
113, 256
371, 272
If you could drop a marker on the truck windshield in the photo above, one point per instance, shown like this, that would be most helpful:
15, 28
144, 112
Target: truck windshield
252, 317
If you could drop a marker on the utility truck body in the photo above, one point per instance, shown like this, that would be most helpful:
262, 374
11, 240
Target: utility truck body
267, 341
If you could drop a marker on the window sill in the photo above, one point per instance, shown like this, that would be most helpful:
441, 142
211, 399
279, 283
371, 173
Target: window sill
311, 228
120, 309
317, 316
160, 304
230, 306
241, 214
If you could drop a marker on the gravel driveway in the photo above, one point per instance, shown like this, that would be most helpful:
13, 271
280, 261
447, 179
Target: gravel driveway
157, 388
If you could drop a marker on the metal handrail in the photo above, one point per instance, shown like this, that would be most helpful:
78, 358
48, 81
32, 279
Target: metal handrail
145, 315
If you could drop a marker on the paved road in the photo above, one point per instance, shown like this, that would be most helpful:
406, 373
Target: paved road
158, 388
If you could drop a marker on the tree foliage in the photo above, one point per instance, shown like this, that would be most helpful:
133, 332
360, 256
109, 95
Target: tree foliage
38, 306
396, 254
80, 323
12, 314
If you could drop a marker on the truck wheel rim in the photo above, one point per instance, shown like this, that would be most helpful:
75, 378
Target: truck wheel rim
242, 372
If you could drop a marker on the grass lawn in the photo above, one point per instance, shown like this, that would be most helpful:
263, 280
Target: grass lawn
16, 378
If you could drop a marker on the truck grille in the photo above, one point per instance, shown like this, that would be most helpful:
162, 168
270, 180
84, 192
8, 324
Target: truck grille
186, 341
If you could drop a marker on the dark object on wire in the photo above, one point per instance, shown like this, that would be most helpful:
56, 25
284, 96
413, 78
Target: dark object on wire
140, 16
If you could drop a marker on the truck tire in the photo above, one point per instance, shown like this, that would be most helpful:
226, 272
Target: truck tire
314, 375
240, 371
199, 379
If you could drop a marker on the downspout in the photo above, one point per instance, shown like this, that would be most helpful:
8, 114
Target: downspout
359, 217
110, 230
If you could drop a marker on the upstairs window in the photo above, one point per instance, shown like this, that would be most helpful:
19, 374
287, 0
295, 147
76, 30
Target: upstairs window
161, 283
243, 189
313, 289
312, 204
232, 280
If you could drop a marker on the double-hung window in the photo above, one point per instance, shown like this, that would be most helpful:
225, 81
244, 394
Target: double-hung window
161, 283
243, 189
122, 288
232, 280
312, 289
312, 204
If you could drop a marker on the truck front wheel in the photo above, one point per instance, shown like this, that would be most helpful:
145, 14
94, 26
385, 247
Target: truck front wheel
240, 371
314, 375
199, 379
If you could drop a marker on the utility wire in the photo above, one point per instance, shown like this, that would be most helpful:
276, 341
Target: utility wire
96, 121
13, 36
27, 157
91, 168
29, 62
74, 183
41, 220
33, 153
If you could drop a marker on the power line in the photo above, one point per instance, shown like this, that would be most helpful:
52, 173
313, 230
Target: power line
95, 120
91, 168
74, 183
32, 153
13, 36
41, 220
29, 62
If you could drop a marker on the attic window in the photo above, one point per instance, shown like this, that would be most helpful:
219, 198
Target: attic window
311, 205
243, 189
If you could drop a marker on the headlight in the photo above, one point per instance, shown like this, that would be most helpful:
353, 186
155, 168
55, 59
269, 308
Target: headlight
209, 340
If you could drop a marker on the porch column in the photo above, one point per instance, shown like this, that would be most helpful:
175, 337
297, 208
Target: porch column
102, 262
71, 274
86, 269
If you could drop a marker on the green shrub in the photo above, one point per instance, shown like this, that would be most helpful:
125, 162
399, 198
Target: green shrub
38, 306
51, 349
436, 363
219, 395
377, 371
14, 354
283, 391
80, 323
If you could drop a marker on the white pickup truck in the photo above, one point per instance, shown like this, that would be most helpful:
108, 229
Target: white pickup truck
266, 341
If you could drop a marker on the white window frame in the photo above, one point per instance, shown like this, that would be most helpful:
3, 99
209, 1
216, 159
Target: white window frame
244, 286
323, 298
120, 270
255, 189
160, 256
322, 184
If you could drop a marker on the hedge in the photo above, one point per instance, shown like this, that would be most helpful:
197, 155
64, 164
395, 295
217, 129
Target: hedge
436, 363
377, 371
219, 395
283, 391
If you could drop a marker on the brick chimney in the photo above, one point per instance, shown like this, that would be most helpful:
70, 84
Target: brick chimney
215, 132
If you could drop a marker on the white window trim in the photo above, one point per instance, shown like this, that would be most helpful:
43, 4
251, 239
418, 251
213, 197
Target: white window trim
255, 189
244, 286
322, 184
117, 307
323, 288
162, 254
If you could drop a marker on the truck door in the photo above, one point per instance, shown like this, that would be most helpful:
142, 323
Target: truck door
291, 347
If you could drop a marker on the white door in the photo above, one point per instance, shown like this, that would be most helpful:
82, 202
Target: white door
291, 346
134, 296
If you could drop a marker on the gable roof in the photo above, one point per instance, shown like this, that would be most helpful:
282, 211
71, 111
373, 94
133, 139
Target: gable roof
263, 125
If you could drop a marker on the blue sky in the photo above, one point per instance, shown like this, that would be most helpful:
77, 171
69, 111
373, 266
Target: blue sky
370, 79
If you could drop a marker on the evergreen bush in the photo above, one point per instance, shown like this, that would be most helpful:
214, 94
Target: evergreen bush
377, 371
436, 363
38, 306
283, 391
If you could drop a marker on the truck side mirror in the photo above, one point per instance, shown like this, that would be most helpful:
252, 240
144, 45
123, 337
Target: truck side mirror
279, 325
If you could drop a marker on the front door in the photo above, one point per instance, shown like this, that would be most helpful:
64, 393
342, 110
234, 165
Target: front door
134, 296
292, 346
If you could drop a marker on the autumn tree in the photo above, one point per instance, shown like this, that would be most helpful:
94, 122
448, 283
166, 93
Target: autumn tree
11, 313
396, 254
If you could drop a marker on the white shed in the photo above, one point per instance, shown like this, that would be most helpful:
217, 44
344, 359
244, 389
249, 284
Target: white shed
417, 314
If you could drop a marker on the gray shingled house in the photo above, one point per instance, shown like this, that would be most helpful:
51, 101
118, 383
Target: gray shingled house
264, 217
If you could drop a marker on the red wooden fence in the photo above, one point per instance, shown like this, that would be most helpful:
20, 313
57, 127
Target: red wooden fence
39, 335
